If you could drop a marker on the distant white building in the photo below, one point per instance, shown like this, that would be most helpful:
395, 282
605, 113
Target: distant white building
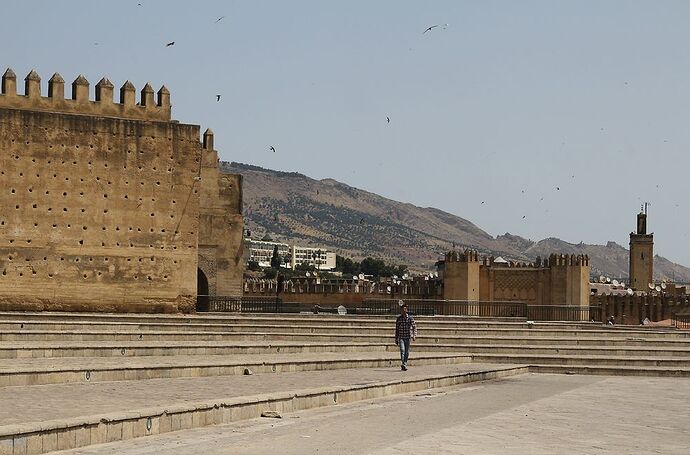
261, 251
320, 258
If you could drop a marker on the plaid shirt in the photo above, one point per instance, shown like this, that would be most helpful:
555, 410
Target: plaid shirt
405, 327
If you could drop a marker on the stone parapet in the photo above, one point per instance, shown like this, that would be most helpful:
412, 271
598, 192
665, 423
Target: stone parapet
148, 108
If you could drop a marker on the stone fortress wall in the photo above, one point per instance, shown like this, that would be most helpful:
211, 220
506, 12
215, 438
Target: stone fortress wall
221, 225
100, 201
561, 279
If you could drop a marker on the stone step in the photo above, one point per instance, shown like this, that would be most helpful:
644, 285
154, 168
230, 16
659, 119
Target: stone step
575, 360
308, 319
88, 321
98, 369
278, 324
52, 349
258, 333
620, 370
36, 420
599, 351
237, 326
270, 318
303, 320
13, 350
567, 341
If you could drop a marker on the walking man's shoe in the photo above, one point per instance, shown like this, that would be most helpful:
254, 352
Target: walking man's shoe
403, 367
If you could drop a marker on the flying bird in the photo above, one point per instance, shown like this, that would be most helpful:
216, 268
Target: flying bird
273, 149
220, 19
524, 216
171, 43
388, 119
433, 27
558, 188
217, 98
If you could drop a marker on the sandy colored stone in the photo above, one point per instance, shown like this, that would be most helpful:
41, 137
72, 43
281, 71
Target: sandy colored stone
530, 414
108, 206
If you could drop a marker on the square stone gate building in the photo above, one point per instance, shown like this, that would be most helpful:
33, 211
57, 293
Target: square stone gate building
111, 206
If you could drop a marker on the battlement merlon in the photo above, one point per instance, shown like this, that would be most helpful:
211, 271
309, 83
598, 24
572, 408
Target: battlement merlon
562, 260
467, 255
103, 105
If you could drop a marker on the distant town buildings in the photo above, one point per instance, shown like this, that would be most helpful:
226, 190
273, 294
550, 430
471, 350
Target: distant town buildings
318, 257
261, 252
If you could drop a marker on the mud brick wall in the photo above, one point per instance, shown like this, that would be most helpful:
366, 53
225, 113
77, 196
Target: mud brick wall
97, 213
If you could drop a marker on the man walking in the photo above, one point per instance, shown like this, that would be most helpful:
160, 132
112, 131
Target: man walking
405, 328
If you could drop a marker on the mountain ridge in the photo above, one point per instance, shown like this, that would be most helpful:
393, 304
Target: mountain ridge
357, 223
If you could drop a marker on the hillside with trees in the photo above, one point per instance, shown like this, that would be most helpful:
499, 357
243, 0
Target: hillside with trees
358, 224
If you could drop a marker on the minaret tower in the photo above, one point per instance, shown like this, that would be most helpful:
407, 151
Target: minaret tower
641, 254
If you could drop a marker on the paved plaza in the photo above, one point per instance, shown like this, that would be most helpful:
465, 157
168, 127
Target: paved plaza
529, 414
30, 405
148, 384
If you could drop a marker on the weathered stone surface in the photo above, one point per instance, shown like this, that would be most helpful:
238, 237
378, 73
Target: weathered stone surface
100, 212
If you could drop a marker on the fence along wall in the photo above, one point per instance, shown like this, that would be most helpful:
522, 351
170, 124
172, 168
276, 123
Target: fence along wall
100, 202
340, 292
633, 309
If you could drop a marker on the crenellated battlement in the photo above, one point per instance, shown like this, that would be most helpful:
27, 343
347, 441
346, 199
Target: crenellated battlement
553, 261
151, 106
466, 255
569, 260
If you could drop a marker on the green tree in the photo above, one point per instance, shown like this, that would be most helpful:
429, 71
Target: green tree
368, 266
305, 268
401, 270
346, 265
270, 273
275, 259
375, 267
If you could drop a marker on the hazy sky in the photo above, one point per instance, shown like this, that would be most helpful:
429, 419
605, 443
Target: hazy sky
508, 102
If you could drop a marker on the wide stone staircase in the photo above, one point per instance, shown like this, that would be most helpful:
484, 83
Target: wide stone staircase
76, 379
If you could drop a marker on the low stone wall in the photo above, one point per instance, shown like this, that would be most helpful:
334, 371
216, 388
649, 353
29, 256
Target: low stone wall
633, 309
182, 304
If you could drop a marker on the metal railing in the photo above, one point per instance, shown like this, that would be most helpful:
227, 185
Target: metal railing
420, 307
563, 313
428, 307
239, 304
681, 321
